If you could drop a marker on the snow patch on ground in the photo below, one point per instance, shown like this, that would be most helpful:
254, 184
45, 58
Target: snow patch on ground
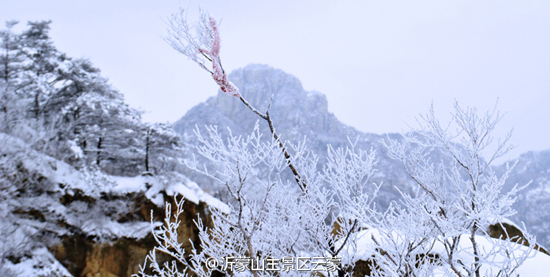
42, 263
154, 187
126, 185
536, 263
103, 227
195, 194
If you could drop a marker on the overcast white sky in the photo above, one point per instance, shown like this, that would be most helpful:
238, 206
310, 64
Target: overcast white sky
380, 63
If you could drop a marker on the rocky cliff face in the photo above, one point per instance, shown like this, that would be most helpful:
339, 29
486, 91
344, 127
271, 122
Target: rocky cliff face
123, 256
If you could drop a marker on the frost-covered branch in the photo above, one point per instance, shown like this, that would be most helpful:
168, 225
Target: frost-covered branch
201, 43
268, 216
460, 194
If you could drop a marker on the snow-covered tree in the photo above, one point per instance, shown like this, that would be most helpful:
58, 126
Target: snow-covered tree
163, 148
289, 217
30, 66
328, 216
106, 131
65, 108
10, 66
284, 222
459, 195
41, 61
10, 57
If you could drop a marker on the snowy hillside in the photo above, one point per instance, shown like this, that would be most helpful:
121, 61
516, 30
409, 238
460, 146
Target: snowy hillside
49, 207
80, 173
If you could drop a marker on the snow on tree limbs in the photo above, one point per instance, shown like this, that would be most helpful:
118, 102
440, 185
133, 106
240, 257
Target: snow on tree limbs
442, 228
203, 47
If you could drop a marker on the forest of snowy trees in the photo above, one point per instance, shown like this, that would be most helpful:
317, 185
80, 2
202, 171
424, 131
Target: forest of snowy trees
77, 161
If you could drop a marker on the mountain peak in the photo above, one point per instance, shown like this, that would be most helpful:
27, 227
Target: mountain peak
293, 109
264, 74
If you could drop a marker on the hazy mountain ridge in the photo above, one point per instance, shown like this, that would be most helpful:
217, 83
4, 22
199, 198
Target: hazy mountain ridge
291, 107
533, 204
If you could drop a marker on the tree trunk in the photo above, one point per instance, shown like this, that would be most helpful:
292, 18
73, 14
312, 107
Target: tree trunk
147, 150
98, 158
